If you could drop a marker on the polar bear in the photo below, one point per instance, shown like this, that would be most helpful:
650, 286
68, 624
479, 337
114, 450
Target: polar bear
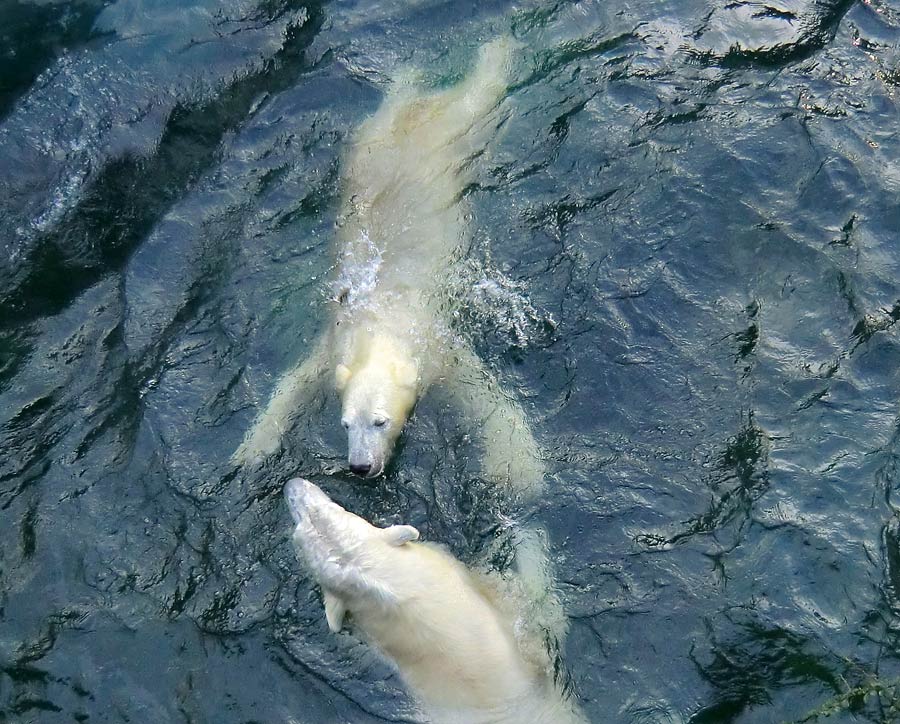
400, 236
454, 636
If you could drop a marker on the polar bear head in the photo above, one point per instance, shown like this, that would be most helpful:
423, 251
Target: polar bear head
350, 558
377, 397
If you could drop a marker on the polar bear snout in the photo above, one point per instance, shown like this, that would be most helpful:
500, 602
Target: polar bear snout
366, 457
300, 494
320, 522
368, 447
365, 463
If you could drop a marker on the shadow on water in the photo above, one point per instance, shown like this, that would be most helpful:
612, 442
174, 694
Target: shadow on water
749, 659
125, 202
97, 237
91, 241
740, 481
32, 36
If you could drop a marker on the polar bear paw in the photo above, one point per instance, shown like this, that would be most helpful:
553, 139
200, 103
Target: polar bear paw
263, 441
523, 471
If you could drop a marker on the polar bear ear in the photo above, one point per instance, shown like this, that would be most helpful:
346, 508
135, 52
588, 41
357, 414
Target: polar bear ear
406, 373
342, 375
397, 535
334, 611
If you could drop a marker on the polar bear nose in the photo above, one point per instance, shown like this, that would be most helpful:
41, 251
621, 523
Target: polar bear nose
361, 469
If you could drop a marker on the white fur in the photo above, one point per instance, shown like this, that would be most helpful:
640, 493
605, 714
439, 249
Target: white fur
400, 233
453, 635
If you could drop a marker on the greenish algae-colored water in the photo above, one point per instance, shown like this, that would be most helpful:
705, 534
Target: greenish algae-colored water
689, 227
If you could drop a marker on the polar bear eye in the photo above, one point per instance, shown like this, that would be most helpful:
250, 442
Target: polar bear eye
379, 421
346, 424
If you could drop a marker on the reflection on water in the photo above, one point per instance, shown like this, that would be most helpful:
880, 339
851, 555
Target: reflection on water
686, 263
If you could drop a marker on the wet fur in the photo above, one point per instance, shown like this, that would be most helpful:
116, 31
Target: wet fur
459, 639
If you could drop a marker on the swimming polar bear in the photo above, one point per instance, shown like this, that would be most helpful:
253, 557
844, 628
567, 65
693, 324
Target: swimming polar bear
400, 235
453, 636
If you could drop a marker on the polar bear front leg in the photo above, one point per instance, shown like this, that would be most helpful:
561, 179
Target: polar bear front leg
294, 388
537, 581
511, 454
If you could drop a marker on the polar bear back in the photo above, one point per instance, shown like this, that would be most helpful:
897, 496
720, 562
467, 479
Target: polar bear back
451, 643
455, 645
404, 215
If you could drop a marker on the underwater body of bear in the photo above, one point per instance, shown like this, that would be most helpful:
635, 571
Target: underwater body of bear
402, 229
456, 637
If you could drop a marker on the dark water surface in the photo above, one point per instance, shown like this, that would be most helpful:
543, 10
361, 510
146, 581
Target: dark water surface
693, 218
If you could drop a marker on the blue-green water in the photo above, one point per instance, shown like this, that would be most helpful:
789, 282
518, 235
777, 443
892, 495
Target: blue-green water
693, 213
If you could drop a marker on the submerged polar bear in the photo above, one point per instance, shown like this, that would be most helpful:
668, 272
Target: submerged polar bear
452, 634
401, 231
